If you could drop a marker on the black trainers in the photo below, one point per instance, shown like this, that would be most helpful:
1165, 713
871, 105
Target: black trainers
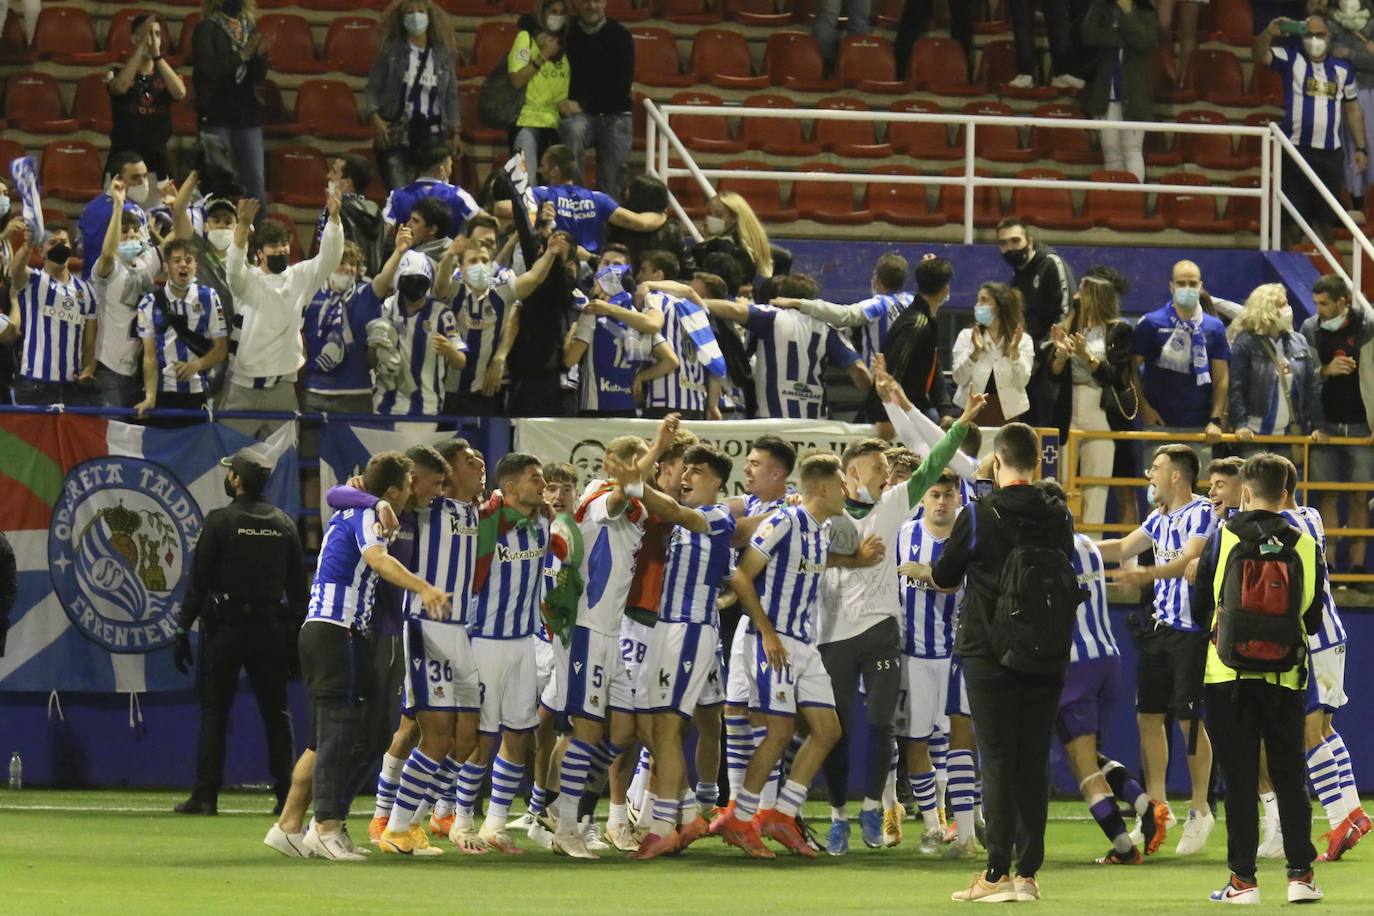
805, 830
195, 806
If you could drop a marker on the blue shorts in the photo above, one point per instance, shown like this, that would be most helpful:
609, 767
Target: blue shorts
1085, 706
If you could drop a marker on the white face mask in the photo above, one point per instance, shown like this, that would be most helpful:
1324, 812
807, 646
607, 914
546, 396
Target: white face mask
715, 225
140, 193
1314, 45
220, 239
556, 21
417, 23
340, 281
1286, 319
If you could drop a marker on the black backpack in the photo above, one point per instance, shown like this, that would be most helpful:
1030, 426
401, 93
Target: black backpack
1037, 597
499, 100
1259, 616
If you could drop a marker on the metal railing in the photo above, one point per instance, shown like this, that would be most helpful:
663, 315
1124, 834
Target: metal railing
1074, 482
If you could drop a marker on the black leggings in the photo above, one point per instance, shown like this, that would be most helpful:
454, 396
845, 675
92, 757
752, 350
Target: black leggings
876, 655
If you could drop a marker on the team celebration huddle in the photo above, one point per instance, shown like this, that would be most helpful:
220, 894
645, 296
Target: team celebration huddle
574, 638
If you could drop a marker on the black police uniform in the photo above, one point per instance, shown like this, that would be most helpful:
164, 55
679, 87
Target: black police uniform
248, 557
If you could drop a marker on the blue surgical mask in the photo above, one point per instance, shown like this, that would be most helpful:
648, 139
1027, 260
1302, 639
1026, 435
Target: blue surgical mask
4, 205
1150, 496
611, 279
478, 275
984, 314
129, 249
417, 23
1330, 324
1186, 298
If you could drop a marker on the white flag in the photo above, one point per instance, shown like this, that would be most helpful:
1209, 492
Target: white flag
26, 179
520, 177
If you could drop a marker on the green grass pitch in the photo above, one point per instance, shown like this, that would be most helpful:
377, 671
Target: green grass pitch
125, 852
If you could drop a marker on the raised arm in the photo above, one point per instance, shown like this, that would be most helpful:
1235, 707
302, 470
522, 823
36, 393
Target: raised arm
113, 232
382, 283
648, 320
638, 222
181, 208
837, 316
529, 281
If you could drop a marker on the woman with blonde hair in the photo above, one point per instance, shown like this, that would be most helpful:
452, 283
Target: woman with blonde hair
1275, 375
995, 355
412, 91
1092, 363
231, 60
732, 227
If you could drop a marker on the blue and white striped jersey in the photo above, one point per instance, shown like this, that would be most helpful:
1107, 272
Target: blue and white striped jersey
610, 543
789, 363
1170, 532
797, 547
684, 389
881, 311
201, 310
1332, 632
928, 622
505, 602
428, 369
608, 367
696, 564
421, 86
1092, 638
479, 321
53, 317
446, 554
1313, 93
401, 201
342, 593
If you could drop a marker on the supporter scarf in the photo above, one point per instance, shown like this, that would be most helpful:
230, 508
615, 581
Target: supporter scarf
698, 326
334, 331
1186, 349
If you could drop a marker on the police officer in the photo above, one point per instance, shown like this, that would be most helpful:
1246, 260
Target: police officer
248, 590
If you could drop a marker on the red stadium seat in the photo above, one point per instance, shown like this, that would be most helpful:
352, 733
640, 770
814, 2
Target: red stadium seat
690, 12
997, 142
491, 45
333, 6
1244, 212
14, 46
1071, 145
921, 140
1164, 80
1161, 151
1266, 86
1053, 207
939, 65
689, 194
626, 11
775, 136
471, 7
474, 130
987, 201
721, 57
656, 62
33, 103
764, 195
997, 68
520, 7
707, 133
119, 40
829, 202
293, 47
793, 59
1249, 147
65, 33
901, 204
186, 38
91, 105
760, 12
991, 20
299, 176
70, 171
184, 122
1123, 211
1211, 151
327, 108
1234, 22
887, 13
865, 63
10, 150
1191, 212
351, 44
1215, 75
849, 138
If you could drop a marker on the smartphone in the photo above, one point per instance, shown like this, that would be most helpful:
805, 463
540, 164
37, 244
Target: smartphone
1293, 28
982, 487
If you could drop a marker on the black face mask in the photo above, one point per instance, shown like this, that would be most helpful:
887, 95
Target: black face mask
276, 263
412, 288
232, 7
229, 490
59, 253
1016, 258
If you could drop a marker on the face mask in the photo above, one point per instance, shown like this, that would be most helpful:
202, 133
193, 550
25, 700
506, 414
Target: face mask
1333, 324
4, 205
130, 249
556, 22
340, 281
139, 193
1350, 7
611, 279
229, 488
478, 275
220, 239
865, 496
1186, 298
983, 314
1016, 258
1150, 496
417, 23
232, 7
715, 225
276, 263
59, 253
1286, 319
412, 288
1314, 45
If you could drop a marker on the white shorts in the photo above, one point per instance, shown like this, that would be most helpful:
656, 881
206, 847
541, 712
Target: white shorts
441, 673
713, 694
551, 660
956, 697
921, 702
803, 682
544, 663
1328, 675
506, 670
634, 646
678, 667
739, 687
596, 678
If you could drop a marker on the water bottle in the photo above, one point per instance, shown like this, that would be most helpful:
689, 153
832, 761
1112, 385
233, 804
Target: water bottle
16, 771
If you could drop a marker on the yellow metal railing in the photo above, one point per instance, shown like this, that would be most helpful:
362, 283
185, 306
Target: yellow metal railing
1074, 483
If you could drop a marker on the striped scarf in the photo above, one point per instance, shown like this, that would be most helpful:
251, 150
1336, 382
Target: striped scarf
697, 323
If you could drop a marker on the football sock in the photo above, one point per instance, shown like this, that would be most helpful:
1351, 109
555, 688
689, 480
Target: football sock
791, 798
1123, 785
467, 787
1270, 800
505, 785
1349, 794
871, 804
938, 745
923, 787
768, 798
961, 792
639, 783
708, 794
586, 808
443, 786
572, 782
387, 781
688, 807
417, 778
739, 744
665, 816
1325, 776
840, 814
619, 816
646, 811
746, 805
1104, 811
539, 800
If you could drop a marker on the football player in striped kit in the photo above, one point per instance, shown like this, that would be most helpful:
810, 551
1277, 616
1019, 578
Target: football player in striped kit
693, 391
873, 315
183, 332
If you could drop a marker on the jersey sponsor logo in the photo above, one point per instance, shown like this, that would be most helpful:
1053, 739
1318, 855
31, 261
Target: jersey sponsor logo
506, 554
807, 565
119, 549
608, 386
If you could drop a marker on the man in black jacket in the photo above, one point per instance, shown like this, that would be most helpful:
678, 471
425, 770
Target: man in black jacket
248, 591
1047, 287
601, 56
1013, 712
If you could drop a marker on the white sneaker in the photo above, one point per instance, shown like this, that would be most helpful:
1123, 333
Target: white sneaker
1271, 841
1244, 896
622, 837
540, 834
1023, 81
333, 847
352, 846
572, 845
291, 845
965, 849
932, 842
592, 837
1137, 836
1300, 891
1195, 833
1067, 81
523, 822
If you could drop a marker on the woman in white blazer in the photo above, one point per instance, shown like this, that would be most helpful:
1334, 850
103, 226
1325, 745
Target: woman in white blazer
995, 355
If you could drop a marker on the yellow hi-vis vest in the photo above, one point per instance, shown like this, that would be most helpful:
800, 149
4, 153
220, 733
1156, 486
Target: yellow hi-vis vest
1294, 678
